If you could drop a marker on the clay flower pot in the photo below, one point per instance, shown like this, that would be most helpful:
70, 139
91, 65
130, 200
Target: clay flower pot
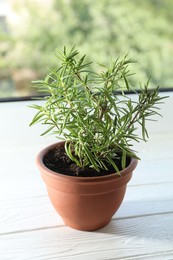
85, 203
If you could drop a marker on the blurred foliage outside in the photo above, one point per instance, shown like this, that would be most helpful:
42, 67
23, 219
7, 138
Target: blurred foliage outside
103, 29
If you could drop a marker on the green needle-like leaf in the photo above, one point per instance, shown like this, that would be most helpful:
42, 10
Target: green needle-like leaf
84, 108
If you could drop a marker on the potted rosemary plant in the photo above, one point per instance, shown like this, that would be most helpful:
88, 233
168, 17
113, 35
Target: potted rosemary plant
86, 174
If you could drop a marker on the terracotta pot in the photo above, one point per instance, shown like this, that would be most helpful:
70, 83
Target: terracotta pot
85, 203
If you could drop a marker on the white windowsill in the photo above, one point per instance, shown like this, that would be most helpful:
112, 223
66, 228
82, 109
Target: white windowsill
31, 229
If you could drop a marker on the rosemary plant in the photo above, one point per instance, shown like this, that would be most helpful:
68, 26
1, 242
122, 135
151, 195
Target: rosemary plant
91, 112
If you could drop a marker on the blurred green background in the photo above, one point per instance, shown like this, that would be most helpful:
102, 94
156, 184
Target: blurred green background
31, 30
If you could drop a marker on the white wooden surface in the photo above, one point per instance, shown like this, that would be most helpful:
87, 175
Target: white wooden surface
31, 229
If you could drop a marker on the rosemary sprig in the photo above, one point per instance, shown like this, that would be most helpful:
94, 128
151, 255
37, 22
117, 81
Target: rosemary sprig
84, 109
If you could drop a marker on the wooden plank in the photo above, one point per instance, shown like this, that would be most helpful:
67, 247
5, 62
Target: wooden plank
15, 118
31, 229
21, 179
153, 171
23, 158
158, 147
27, 213
133, 238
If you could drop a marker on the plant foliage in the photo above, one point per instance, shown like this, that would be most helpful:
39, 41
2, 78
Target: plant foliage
91, 111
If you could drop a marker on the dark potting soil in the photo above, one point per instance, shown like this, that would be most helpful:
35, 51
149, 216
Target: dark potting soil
57, 161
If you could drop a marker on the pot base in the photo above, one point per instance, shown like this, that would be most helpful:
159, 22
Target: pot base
87, 228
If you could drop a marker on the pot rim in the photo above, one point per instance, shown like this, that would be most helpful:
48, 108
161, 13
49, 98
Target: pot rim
47, 171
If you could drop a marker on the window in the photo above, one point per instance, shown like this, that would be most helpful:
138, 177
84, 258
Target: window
31, 30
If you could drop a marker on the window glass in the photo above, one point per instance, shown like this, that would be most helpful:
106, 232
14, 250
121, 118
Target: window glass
30, 31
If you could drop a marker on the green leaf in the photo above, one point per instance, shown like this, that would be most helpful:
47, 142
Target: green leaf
36, 118
69, 153
113, 164
91, 111
48, 130
91, 159
123, 159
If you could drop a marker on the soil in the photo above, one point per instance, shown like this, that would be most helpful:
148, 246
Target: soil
57, 161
